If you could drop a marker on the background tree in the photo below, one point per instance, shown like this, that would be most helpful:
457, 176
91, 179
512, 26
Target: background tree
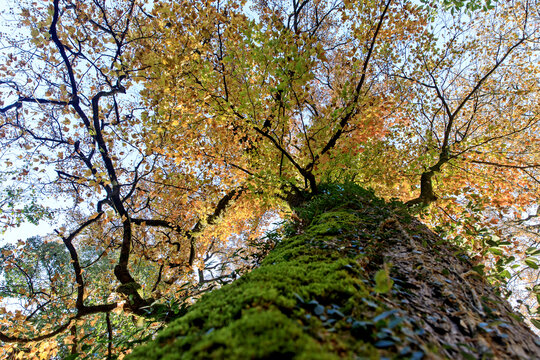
175, 133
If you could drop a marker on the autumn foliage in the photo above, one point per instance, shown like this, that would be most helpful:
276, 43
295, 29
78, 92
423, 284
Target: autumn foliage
163, 139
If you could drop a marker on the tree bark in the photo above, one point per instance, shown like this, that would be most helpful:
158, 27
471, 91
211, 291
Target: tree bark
358, 278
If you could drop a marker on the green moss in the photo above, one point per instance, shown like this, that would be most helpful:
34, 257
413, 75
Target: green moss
301, 303
317, 295
333, 223
259, 334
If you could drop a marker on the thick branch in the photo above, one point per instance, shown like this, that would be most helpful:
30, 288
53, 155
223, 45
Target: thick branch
427, 195
305, 172
199, 226
89, 310
351, 109
75, 260
18, 340
21, 100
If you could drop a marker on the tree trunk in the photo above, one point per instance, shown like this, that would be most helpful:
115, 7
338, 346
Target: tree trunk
358, 279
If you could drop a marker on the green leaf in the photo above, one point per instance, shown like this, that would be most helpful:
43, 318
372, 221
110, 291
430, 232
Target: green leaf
531, 262
536, 323
532, 251
495, 251
383, 282
479, 269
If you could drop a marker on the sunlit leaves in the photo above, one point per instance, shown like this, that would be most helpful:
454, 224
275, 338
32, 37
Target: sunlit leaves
148, 117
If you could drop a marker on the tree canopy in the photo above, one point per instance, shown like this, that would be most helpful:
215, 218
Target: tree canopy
164, 139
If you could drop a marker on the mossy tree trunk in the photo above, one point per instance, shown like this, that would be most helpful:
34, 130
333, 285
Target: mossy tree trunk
360, 279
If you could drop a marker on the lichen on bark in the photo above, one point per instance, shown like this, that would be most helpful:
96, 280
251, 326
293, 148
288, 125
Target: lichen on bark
315, 296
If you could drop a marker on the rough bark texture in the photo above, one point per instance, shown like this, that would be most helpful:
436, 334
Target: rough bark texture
323, 293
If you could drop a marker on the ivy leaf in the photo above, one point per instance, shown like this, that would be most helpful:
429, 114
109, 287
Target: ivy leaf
531, 262
383, 282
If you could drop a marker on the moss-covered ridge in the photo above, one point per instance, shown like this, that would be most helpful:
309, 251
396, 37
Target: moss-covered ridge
308, 300
323, 293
